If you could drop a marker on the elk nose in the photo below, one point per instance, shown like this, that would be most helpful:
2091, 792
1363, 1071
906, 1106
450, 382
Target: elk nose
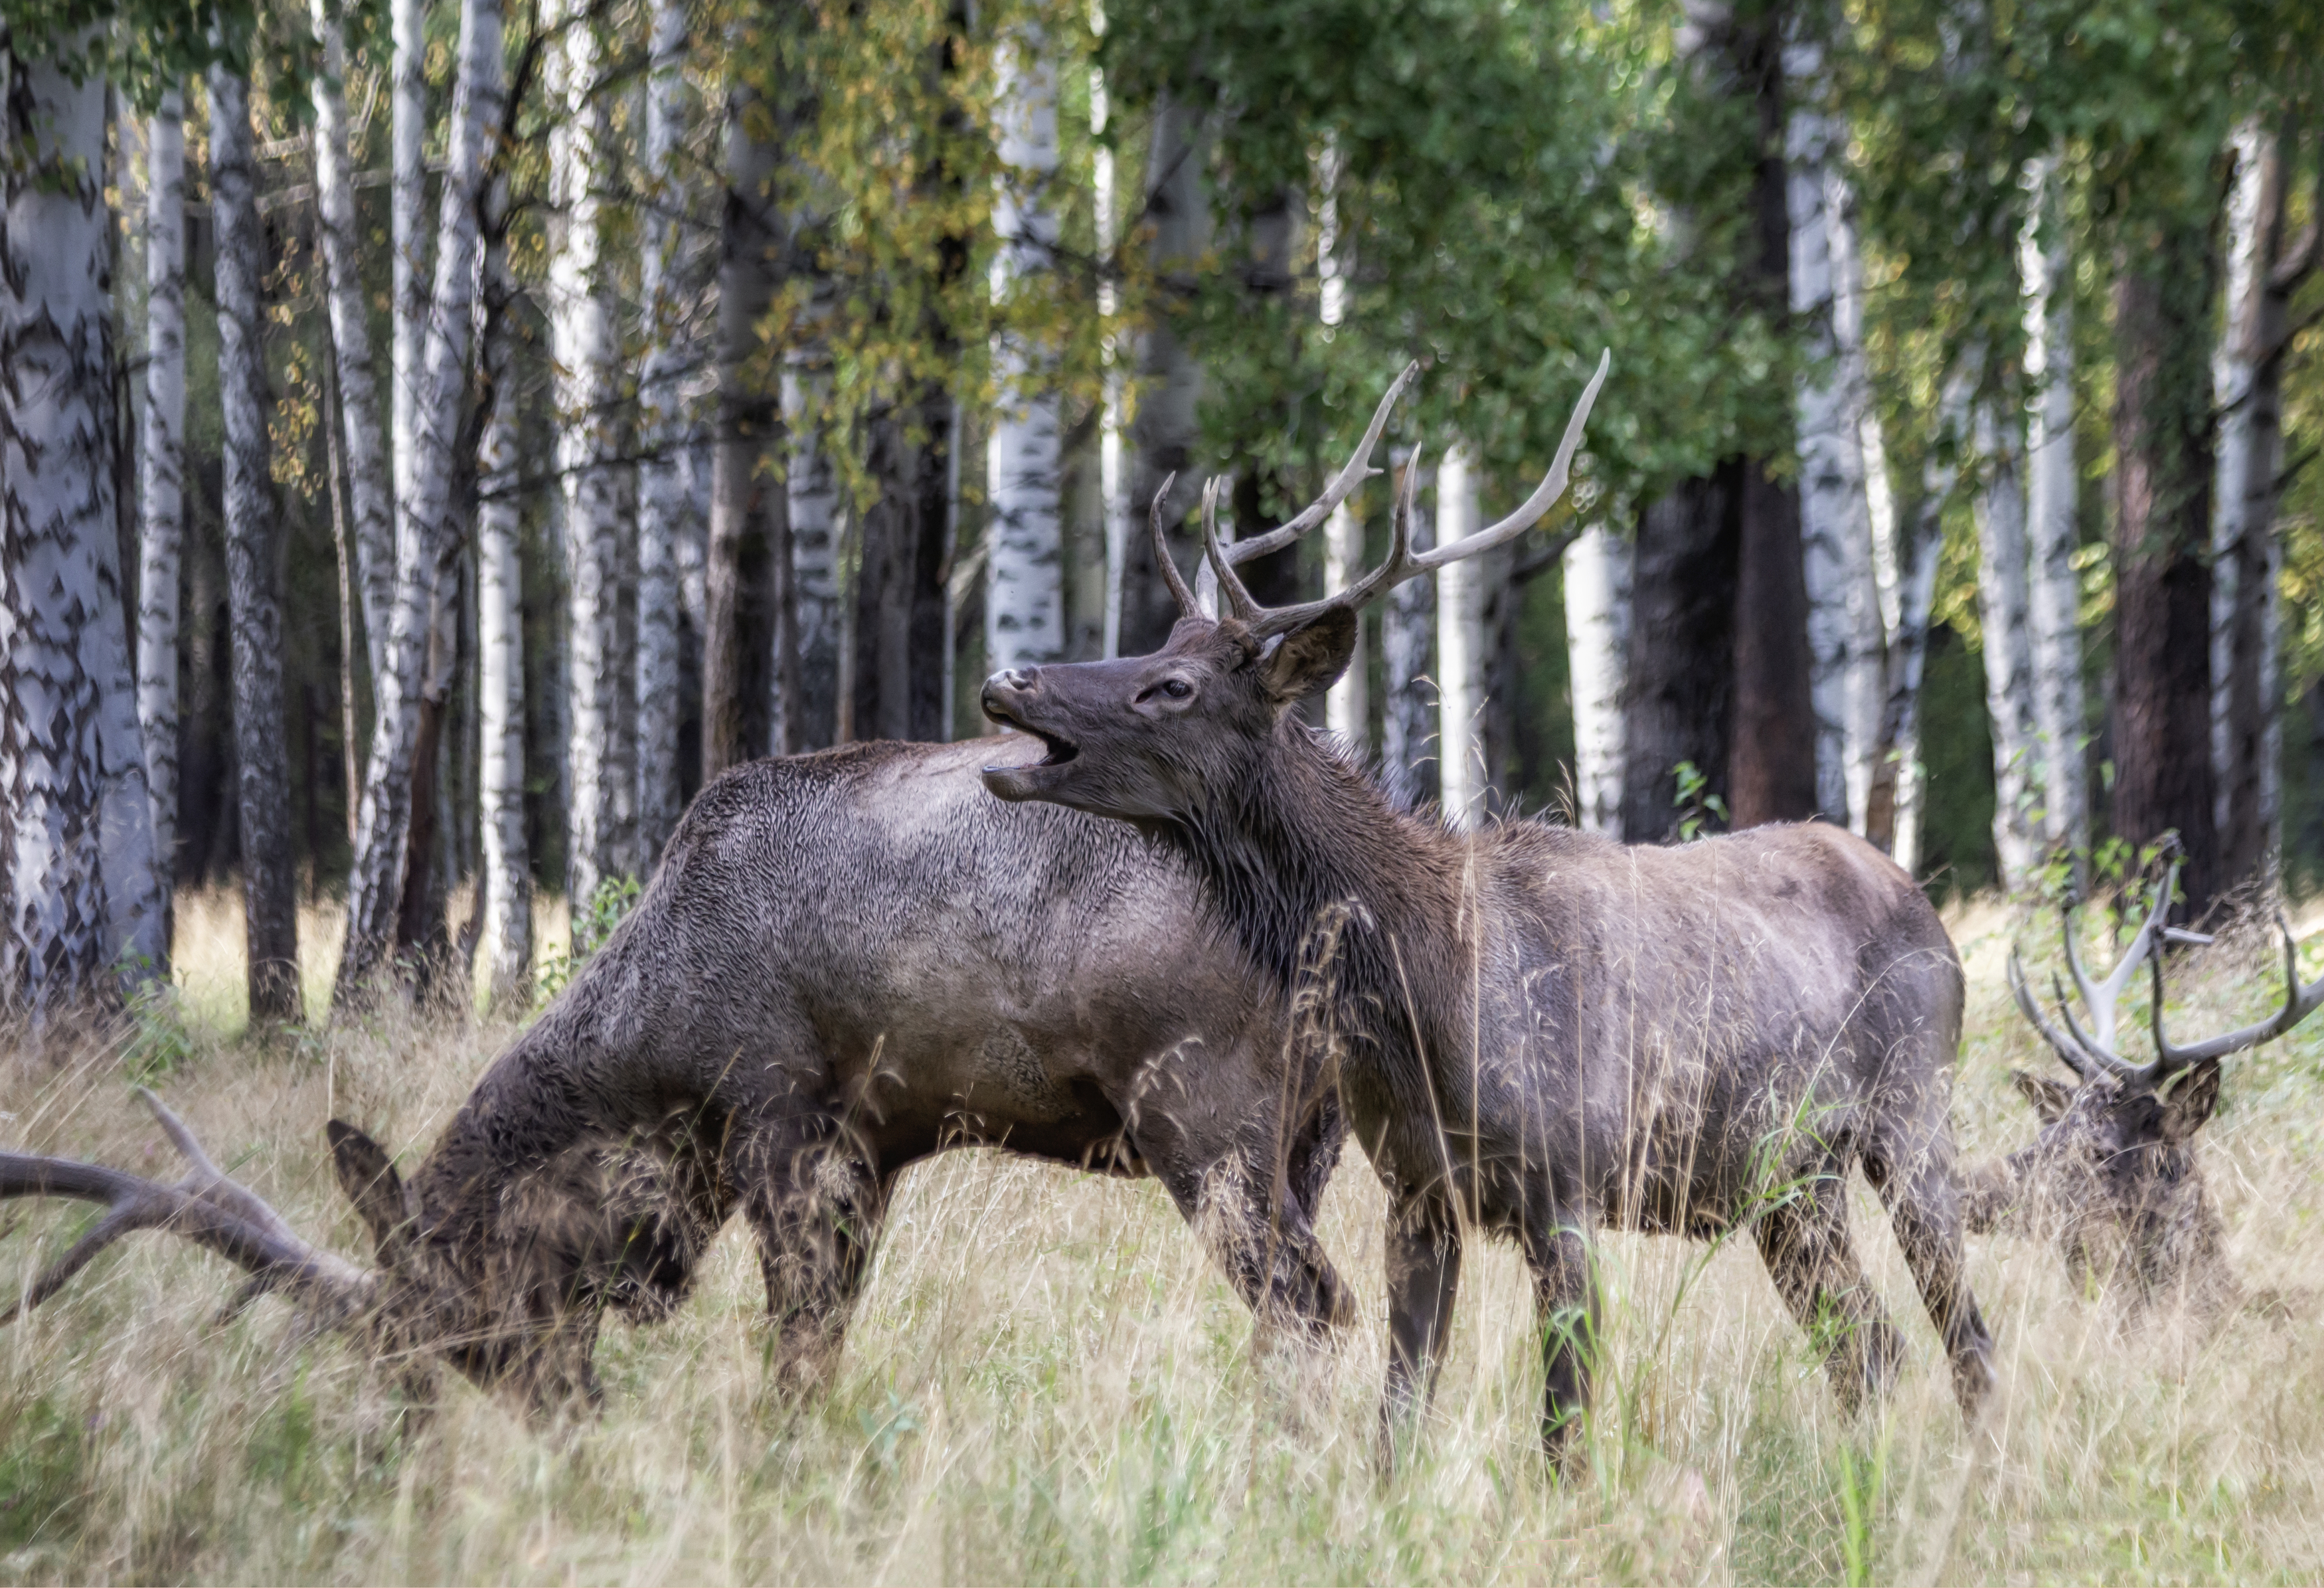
1007, 685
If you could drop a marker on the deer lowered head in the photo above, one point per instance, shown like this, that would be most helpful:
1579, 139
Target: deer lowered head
2114, 1176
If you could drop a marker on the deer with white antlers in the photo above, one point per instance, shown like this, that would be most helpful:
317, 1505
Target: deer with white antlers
1543, 1032
2113, 1176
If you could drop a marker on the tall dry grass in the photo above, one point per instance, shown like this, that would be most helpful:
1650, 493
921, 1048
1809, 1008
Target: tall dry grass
1046, 1381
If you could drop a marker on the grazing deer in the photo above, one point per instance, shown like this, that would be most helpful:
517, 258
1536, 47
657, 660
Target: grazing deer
1542, 1031
846, 961
2113, 1176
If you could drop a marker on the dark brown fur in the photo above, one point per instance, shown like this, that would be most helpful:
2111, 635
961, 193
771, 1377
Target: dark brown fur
1542, 1031
847, 962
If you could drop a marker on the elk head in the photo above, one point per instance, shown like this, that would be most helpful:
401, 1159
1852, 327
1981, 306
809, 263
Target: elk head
1152, 739
507, 1277
2114, 1176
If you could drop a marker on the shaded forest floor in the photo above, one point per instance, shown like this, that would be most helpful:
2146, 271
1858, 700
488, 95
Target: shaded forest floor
1046, 1381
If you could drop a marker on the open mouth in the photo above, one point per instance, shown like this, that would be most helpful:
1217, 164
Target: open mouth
1061, 750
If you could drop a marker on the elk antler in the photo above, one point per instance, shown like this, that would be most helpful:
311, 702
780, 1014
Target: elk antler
206, 1207
2091, 1054
2299, 1003
1402, 562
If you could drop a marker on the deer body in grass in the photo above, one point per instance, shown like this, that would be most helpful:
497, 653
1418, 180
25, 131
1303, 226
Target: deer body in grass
1543, 1033
2113, 1177
846, 961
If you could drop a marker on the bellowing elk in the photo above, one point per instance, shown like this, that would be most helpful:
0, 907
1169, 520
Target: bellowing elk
1545, 1032
2113, 1176
846, 961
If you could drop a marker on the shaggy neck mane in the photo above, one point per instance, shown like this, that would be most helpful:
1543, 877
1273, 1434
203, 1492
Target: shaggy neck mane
1306, 834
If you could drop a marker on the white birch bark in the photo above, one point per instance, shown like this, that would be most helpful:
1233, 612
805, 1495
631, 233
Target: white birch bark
500, 644
811, 486
1462, 660
1409, 714
1024, 592
424, 520
161, 472
2054, 587
1114, 504
1597, 646
2009, 649
371, 495
1347, 705
1908, 655
665, 428
80, 897
587, 353
1832, 468
1868, 628
408, 228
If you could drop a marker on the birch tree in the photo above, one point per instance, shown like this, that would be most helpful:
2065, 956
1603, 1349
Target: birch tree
1462, 663
424, 522
408, 229
1024, 595
1164, 434
1597, 642
811, 483
269, 878
2000, 507
507, 909
78, 882
1409, 714
370, 487
162, 473
1347, 705
664, 429
2054, 585
587, 353
1121, 513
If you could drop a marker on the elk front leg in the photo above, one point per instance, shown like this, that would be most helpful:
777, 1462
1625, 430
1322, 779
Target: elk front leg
816, 1210
1565, 1311
1804, 1245
1924, 1208
1424, 1274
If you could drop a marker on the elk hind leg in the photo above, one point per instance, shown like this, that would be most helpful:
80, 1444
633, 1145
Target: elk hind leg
1565, 1311
1803, 1240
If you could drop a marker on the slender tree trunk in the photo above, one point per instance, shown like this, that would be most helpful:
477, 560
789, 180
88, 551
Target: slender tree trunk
1597, 640
425, 526
351, 773
1895, 806
1463, 658
1409, 714
1164, 433
2165, 287
1834, 533
2008, 647
420, 940
664, 429
162, 522
370, 487
812, 484
408, 233
733, 611
1024, 593
1866, 672
2053, 585
2246, 556
80, 904
507, 905
270, 877
1347, 706
587, 353
1114, 486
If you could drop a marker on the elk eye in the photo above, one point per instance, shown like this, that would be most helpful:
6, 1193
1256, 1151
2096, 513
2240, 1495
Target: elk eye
1176, 688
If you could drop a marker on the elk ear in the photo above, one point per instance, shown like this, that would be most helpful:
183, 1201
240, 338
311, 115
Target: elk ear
1311, 657
367, 1174
2191, 1102
2050, 1099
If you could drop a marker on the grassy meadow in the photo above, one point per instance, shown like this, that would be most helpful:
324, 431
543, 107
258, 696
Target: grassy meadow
1046, 1381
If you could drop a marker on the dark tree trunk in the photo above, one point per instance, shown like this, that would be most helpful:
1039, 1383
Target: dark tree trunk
746, 516
1676, 704
930, 711
1771, 744
269, 876
2163, 297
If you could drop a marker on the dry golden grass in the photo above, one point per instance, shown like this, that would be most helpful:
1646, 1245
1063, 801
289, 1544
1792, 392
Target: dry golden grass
1048, 1382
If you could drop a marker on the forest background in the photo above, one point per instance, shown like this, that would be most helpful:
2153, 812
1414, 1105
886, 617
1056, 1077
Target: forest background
494, 424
